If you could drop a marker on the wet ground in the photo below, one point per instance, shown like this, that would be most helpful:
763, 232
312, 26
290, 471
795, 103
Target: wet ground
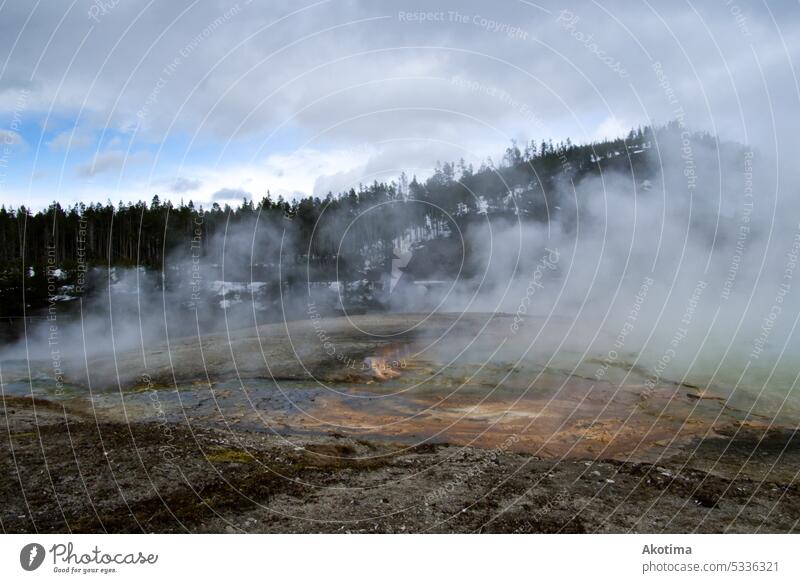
404, 426
65, 472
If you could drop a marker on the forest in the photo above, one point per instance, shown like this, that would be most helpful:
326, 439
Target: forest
351, 231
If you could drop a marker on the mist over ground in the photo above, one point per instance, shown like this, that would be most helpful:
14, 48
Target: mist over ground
666, 255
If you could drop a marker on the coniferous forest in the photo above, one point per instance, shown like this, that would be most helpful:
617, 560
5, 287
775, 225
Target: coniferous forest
340, 235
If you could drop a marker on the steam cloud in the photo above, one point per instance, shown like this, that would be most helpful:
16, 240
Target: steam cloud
688, 274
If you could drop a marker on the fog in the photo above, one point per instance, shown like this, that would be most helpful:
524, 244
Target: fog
687, 274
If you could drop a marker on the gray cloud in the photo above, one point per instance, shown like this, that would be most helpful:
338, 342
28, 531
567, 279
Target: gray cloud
182, 184
109, 161
229, 194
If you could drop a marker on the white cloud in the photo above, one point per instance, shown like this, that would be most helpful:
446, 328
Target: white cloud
70, 140
611, 128
288, 174
297, 172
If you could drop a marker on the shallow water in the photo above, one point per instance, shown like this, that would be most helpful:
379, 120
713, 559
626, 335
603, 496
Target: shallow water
564, 411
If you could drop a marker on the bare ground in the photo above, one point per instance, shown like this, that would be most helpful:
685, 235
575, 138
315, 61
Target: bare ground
65, 472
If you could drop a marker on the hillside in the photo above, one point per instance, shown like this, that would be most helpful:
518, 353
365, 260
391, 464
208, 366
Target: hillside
348, 237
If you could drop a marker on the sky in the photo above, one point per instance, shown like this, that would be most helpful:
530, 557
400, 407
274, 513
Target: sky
211, 101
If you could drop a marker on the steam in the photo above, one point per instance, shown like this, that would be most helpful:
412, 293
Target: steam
703, 252
686, 272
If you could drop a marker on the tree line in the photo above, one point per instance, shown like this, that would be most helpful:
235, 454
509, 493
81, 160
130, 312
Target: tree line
356, 227
140, 233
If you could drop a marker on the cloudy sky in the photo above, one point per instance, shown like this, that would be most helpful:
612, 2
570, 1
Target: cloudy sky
210, 100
